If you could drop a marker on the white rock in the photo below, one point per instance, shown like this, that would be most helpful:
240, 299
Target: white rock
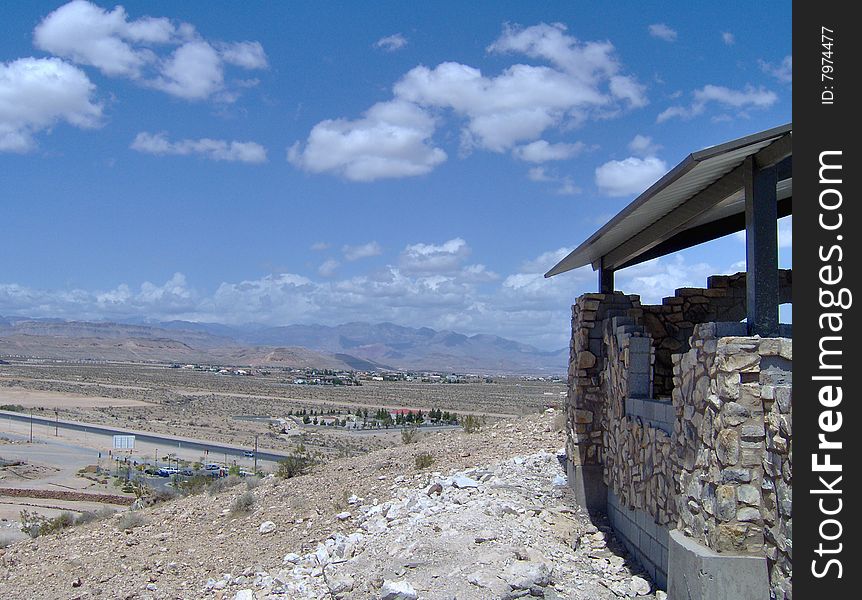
292, 557
639, 586
523, 575
461, 482
397, 590
244, 595
266, 527
343, 516
340, 584
322, 555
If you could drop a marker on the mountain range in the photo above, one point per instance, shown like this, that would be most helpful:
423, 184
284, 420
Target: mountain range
362, 346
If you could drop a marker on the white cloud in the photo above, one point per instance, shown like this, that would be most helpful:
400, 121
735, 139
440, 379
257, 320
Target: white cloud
565, 185
750, 97
630, 176
544, 262
662, 32
391, 43
328, 267
584, 80
523, 305
193, 72
319, 246
658, 278
248, 55
37, 93
86, 34
728, 38
782, 72
391, 140
643, 145
434, 258
368, 250
159, 144
542, 151
89, 35
525, 100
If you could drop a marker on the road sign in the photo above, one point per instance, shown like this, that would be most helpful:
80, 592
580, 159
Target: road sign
124, 442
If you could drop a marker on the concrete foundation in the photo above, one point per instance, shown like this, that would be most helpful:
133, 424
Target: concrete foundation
589, 487
697, 573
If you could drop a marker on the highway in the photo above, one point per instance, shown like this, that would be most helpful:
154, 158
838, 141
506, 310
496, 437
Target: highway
165, 441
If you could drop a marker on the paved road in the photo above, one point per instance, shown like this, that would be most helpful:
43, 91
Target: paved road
144, 436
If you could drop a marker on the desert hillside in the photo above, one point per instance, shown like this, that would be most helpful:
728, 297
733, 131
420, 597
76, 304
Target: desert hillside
489, 518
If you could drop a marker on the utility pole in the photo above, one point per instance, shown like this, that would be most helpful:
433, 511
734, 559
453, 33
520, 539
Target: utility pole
31, 425
57, 423
255, 454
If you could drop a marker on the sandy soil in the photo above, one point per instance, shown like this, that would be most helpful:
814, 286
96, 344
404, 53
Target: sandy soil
62, 400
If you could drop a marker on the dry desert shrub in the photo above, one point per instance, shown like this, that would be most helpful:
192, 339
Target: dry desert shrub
243, 503
130, 520
424, 460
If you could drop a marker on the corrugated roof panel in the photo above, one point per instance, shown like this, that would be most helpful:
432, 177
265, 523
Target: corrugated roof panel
694, 174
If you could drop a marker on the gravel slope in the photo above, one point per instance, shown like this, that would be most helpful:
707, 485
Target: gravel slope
488, 519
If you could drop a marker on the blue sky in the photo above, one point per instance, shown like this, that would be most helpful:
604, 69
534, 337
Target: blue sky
319, 162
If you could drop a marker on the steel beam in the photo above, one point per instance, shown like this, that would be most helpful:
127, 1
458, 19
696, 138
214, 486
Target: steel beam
761, 249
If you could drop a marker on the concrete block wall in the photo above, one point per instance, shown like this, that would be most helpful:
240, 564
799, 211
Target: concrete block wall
645, 539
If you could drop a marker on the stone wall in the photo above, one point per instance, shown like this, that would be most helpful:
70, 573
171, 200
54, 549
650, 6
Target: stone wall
713, 460
671, 323
732, 397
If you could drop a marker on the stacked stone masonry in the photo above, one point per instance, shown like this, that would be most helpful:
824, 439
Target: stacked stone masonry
732, 442
714, 459
671, 323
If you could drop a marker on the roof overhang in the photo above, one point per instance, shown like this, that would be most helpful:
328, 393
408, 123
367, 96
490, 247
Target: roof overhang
699, 200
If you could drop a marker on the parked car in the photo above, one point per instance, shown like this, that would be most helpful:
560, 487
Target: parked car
248, 454
188, 471
167, 471
212, 467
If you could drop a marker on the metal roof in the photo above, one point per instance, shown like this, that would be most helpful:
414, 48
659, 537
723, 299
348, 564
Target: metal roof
715, 170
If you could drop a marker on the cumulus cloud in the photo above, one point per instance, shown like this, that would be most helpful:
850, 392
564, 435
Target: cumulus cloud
659, 277
749, 97
391, 43
522, 305
391, 140
36, 94
328, 267
434, 258
581, 80
248, 55
140, 49
643, 145
159, 144
662, 32
542, 151
728, 38
630, 176
783, 72
368, 250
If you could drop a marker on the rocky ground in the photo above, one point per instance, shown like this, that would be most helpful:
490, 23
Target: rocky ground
490, 518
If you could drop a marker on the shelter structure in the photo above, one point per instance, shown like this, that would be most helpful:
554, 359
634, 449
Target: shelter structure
678, 415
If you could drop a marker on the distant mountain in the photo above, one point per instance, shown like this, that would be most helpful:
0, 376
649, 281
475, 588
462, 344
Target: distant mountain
362, 346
